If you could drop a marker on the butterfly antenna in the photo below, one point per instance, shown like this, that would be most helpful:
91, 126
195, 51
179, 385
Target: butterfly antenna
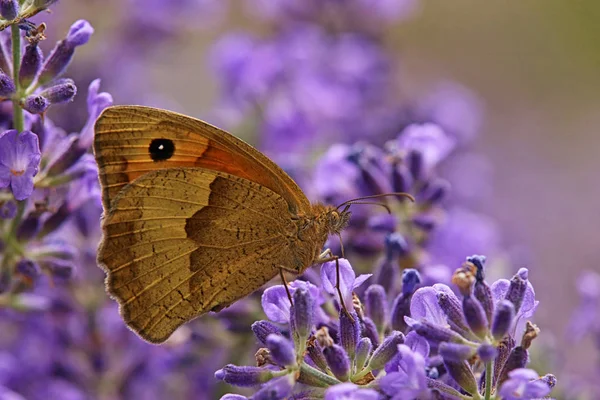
372, 203
376, 196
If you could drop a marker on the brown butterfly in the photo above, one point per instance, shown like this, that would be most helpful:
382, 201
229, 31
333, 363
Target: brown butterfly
195, 218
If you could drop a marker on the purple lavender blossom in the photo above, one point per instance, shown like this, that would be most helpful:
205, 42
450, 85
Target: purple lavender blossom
19, 162
406, 377
524, 384
348, 279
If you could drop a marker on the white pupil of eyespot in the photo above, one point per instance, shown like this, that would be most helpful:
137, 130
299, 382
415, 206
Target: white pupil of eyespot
161, 147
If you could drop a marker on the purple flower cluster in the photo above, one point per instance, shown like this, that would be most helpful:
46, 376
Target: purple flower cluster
428, 342
425, 234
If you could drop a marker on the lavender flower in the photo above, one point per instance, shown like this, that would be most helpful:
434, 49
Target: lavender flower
19, 162
524, 384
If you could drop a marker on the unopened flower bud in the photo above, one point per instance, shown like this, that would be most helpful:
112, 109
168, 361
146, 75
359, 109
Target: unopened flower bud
30, 64
475, 316
387, 350
462, 374
338, 361
262, 329
503, 319
243, 376
7, 86
281, 350
62, 92
456, 352
9, 9
376, 305
363, 351
349, 332
36, 104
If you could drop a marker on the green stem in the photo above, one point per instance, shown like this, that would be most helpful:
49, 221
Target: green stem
18, 122
489, 372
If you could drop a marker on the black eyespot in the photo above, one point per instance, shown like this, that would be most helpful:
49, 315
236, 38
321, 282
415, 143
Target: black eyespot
161, 149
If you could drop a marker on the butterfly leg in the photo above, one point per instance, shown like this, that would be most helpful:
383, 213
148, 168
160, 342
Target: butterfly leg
285, 284
327, 256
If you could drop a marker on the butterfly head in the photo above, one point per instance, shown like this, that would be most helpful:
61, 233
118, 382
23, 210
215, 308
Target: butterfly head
337, 219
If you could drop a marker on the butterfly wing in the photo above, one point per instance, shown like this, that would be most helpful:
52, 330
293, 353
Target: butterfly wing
184, 241
133, 140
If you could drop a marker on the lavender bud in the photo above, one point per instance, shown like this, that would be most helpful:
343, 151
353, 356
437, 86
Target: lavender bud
30, 64
517, 358
483, 293
475, 316
36, 104
281, 350
338, 361
7, 86
349, 333
416, 164
503, 319
479, 262
363, 351
456, 352
316, 354
410, 279
376, 305
395, 245
487, 352
243, 376
61, 55
8, 210
370, 330
504, 349
453, 310
62, 92
402, 180
435, 333
400, 309
301, 317
9, 9
436, 191
517, 288
387, 350
262, 329
462, 374
549, 380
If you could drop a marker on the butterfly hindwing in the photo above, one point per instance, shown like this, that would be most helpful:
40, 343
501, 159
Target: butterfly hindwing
184, 241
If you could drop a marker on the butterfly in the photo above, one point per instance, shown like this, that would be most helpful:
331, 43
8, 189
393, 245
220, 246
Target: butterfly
195, 218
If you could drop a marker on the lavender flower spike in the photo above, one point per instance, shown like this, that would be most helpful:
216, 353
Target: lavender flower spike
19, 162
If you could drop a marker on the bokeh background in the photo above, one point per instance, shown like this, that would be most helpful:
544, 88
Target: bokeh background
534, 65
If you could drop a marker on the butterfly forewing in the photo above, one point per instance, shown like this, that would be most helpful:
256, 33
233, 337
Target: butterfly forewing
133, 140
184, 241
